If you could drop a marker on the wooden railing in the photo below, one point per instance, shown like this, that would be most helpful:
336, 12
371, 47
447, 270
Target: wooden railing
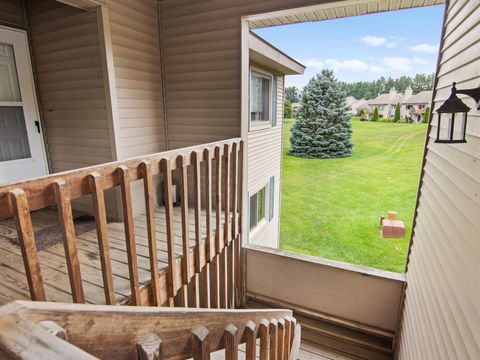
72, 331
216, 170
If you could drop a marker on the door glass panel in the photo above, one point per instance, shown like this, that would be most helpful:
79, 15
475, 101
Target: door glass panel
9, 88
13, 134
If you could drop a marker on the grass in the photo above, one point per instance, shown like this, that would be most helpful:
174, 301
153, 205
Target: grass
331, 207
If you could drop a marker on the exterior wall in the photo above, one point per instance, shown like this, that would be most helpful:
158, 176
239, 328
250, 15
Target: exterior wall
441, 317
69, 79
135, 42
11, 13
264, 161
343, 291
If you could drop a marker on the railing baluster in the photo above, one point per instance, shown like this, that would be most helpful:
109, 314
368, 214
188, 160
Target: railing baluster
208, 218
273, 339
62, 195
234, 229
129, 232
250, 340
218, 226
263, 330
293, 325
172, 265
231, 342
200, 343
195, 158
182, 164
238, 239
286, 341
227, 271
98, 199
280, 339
26, 238
146, 171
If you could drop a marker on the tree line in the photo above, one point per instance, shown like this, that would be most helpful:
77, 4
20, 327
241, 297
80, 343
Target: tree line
371, 89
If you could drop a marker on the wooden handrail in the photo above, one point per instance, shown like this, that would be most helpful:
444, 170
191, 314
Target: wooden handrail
222, 164
108, 332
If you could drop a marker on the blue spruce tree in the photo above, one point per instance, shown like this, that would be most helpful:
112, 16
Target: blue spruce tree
322, 128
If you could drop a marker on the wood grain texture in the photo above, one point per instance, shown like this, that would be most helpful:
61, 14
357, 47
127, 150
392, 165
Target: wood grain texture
69, 240
23, 224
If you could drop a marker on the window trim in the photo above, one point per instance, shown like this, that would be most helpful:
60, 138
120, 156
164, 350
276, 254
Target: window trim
266, 207
260, 124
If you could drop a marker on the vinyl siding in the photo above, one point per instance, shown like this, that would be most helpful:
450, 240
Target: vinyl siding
134, 27
70, 84
264, 161
11, 13
441, 318
136, 57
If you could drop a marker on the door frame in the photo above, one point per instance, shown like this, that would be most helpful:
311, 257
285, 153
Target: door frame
25, 70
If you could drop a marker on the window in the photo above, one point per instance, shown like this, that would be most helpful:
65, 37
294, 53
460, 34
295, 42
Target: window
260, 95
257, 208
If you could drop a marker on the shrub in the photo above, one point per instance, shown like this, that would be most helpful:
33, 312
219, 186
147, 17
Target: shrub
287, 109
426, 115
396, 117
375, 114
363, 119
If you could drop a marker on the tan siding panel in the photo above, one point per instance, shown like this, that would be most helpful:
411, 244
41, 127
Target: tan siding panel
136, 56
11, 12
442, 313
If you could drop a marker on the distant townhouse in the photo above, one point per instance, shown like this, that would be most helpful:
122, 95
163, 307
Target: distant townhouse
386, 103
413, 106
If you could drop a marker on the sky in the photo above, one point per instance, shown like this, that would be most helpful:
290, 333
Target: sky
362, 48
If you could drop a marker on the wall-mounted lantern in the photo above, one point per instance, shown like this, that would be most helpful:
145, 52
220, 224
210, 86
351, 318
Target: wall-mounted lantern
452, 116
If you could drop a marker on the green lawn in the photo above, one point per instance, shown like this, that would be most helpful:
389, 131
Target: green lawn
331, 207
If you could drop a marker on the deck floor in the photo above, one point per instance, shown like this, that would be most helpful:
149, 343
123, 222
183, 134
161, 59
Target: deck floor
13, 282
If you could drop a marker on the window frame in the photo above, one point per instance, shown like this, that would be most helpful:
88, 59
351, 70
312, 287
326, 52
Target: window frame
260, 124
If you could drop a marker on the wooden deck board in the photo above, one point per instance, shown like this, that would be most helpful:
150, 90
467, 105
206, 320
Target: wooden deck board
13, 282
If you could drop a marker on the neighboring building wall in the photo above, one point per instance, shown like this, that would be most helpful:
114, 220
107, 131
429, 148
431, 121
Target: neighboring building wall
441, 318
264, 161
11, 13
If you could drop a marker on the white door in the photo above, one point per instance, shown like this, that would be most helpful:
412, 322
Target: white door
22, 152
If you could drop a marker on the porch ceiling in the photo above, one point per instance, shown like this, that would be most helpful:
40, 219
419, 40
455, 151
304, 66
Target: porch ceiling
334, 10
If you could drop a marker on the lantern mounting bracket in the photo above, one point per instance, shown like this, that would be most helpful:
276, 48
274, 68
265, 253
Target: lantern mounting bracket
474, 93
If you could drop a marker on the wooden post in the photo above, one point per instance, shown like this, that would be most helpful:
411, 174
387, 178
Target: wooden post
208, 212
124, 180
263, 330
182, 164
281, 339
26, 238
218, 225
167, 181
200, 343
286, 341
146, 170
64, 207
250, 339
273, 339
195, 159
149, 347
239, 283
231, 343
98, 199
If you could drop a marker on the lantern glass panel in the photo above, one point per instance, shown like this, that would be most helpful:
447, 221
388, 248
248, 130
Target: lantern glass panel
445, 123
459, 126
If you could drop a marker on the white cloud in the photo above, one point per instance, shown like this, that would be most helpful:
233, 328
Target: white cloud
377, 69
374, 40
391, 45
347, 65
419, 60
313, 63
426, 48
398, 63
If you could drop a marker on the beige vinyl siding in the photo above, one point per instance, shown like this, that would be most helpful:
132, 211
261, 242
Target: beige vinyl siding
442, 313
264, 161
136, 57
69, 79
11, 13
